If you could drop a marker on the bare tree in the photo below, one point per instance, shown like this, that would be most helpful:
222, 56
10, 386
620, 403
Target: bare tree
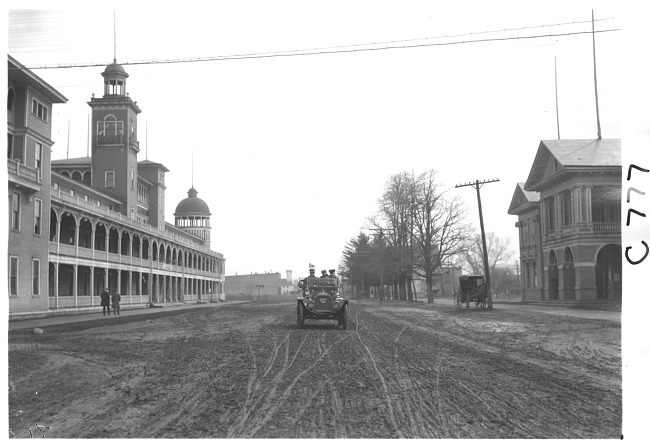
426, 229
396, 215
441, 233
499, 254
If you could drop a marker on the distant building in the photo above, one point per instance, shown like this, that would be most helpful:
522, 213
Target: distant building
287, 285
78, 226
254, 285
569, 220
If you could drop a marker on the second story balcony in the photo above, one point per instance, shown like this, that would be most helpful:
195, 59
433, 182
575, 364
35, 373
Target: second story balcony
607, 228
24, 175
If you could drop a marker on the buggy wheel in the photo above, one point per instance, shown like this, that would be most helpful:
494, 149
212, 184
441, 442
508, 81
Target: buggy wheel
459, 304
343, 320
301, 317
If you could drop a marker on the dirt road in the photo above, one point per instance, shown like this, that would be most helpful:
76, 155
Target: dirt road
400, 370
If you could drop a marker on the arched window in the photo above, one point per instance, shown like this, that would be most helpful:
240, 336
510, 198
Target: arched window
568, 256
11, 100
553, 277
110, 127
568, 272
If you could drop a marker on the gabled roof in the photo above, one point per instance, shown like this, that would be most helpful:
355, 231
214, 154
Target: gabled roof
555, 157
21, 74
522, 200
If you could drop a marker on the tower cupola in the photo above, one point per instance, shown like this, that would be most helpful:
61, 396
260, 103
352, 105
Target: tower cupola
114, 80
193, 215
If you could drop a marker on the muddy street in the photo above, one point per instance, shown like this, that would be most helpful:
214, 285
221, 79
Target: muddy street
400, 370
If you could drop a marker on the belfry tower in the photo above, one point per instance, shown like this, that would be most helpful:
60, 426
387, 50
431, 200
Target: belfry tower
114, 140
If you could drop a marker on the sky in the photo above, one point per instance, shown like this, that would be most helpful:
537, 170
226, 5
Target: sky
292, 153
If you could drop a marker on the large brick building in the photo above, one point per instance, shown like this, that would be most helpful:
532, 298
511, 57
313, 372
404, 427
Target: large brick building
78, 226
569, 220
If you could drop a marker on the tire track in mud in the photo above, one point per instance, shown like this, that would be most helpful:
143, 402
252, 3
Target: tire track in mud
489, 394
388, 399
264, 400
400, 370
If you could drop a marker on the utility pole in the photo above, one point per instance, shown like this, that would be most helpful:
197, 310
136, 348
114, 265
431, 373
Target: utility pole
486, 267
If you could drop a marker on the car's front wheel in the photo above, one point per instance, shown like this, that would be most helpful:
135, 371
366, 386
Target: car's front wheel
343, 320
301, 316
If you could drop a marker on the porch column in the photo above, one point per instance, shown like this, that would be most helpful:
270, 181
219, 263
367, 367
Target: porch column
76, 237
577, 208
163, 287
92, 239
56, 279
58, 236
75, 274
92, 284
119, 250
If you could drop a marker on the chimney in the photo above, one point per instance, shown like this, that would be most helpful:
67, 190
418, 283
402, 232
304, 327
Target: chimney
289, 275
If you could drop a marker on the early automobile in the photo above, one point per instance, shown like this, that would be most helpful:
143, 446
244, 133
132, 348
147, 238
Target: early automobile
321, 300
471, 288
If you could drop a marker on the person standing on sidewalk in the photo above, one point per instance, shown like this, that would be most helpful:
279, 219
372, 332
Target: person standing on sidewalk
116, 302
106, 302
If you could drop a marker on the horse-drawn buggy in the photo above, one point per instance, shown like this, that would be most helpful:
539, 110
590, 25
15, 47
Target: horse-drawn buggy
321, 300
471, 288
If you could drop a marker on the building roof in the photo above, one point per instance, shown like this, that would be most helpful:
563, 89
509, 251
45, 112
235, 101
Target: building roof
76, 161
556, 157
150, 164
192, 205
19, 73
116, 68
82, 187
522, 199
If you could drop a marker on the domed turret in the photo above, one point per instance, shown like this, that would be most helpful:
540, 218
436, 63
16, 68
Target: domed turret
114, 79
193, 215
192, 205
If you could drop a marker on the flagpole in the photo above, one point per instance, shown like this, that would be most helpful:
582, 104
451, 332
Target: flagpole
593, 34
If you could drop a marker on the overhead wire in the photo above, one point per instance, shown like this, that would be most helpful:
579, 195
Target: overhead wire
353, 48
